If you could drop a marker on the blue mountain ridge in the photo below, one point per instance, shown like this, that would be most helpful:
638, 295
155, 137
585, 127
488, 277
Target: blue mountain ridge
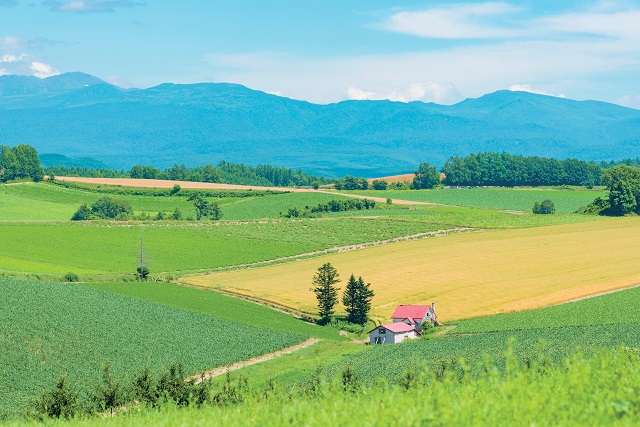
78, 115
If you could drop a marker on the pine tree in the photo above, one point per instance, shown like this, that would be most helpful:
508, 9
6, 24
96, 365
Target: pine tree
357, 300
326, 293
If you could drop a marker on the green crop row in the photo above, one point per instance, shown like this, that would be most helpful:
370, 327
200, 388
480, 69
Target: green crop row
617, 307
47, 329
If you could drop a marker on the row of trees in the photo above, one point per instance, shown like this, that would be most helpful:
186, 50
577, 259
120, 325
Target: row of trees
20, 162
229, 173
331, 206
356, 297
507, 170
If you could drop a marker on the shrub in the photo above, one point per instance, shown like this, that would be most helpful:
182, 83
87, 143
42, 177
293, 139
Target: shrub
545, 208
61, 402
379, 184
71, 277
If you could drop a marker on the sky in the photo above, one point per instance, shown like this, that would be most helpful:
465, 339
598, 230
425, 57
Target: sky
328, 51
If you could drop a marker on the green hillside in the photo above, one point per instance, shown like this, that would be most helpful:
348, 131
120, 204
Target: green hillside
50, 328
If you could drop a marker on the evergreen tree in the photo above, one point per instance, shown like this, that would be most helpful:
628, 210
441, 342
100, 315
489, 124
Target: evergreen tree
326, 292
357, 300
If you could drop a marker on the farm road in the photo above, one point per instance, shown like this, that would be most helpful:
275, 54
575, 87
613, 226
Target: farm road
221, 371
161, 183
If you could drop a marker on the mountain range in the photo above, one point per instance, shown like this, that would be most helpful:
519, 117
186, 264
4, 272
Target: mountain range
79, 115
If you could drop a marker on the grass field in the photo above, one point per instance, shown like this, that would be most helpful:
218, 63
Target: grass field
566, 201
112, 248
466, 275
48, 328
216, 305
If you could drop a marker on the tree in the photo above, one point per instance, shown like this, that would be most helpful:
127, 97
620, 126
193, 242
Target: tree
623, 183
545, 208
110, 394
326, 292
379, 184
426, 176
357, 300
61, 402
200, 204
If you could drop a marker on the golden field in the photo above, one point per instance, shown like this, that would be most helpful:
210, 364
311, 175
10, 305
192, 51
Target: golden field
466, 275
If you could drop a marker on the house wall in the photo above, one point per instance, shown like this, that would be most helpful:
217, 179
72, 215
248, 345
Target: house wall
390, 337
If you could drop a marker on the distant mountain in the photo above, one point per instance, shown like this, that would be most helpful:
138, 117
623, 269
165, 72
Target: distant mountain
47, 160
79, 115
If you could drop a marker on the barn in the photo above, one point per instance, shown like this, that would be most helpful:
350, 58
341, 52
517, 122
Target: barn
393, 333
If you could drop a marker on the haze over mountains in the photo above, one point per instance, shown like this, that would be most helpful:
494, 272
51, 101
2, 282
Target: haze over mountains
77, 115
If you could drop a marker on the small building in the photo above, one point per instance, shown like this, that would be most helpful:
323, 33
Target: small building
415, 315
393, 333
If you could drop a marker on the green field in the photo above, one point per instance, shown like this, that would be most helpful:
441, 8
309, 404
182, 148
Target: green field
216, 305
569, 200
49, 328
615, 308
113, 248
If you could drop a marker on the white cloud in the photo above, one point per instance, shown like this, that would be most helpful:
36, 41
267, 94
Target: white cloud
42, 70
631, 101
528, 88
459, 21
89, 6
359, 94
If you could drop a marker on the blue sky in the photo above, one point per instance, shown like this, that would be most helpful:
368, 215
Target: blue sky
328, 51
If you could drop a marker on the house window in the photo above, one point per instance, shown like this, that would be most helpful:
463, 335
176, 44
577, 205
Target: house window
382, 331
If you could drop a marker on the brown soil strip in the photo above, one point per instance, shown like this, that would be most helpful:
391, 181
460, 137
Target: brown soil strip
161, 183
270, 356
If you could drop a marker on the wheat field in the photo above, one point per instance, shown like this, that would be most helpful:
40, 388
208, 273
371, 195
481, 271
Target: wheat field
466, 275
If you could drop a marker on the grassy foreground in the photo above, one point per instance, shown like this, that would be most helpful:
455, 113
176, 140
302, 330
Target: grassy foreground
581, 391
468, 274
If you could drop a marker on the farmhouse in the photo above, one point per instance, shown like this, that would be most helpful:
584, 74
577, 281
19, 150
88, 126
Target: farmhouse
415, 315
393, 333
407, 324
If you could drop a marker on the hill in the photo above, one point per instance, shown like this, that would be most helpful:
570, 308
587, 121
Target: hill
76, 115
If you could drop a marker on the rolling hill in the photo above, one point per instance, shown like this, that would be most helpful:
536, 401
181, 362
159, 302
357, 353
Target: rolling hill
79, 115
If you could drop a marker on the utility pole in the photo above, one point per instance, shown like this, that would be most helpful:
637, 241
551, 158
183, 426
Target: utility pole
142, 269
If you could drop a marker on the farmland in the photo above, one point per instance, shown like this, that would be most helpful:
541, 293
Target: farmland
468, 274
112, 248
565, 200
555, 332
50, 328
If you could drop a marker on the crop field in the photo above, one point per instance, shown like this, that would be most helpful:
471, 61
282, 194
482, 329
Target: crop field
216, 305
556, 343
49, 328
565, 201
466, 275
110, 248
604, 321
614, 308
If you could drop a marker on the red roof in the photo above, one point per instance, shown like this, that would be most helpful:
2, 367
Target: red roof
410, 312
397, 327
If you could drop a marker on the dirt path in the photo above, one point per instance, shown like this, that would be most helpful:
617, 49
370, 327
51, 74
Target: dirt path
221, 371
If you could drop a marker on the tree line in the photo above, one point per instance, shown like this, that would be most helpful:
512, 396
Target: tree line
20, 162
224, 172
508, 170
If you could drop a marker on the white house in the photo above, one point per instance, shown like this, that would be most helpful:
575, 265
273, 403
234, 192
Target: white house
393, 333
415, 315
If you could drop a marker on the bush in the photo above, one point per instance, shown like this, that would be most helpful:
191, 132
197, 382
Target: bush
71, 277
379, 184
61, 402
545, 208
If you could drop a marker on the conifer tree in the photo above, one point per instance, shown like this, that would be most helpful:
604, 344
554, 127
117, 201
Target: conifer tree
357, 300
326, 292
